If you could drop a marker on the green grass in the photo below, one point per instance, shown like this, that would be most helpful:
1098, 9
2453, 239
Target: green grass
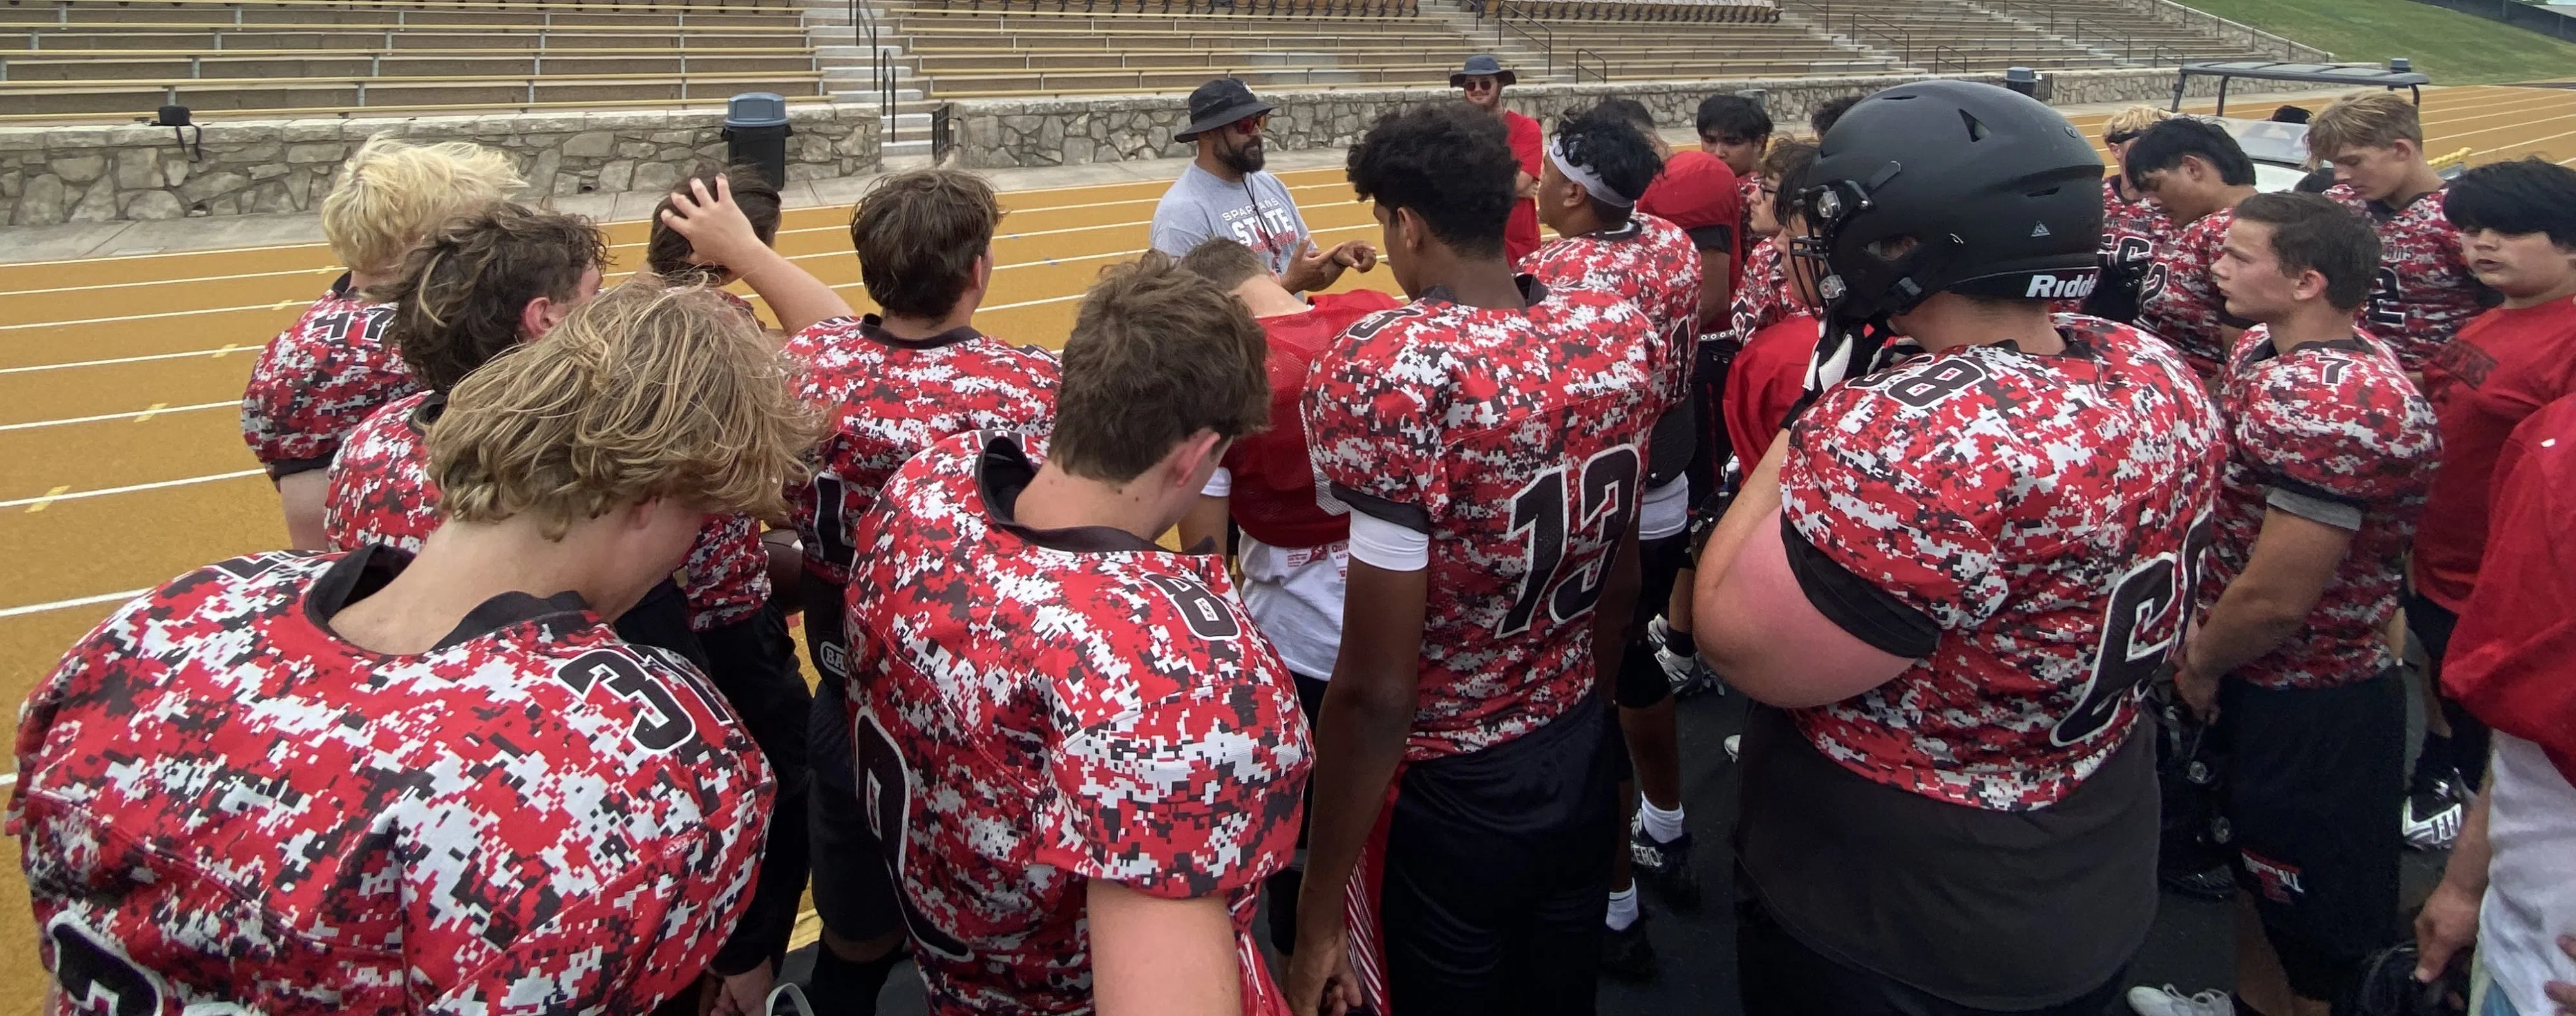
2454, 48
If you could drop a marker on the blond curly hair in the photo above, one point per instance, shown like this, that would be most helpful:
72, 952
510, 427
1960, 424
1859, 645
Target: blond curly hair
393, 193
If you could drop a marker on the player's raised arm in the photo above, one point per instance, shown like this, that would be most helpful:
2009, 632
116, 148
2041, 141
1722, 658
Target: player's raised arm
722, 235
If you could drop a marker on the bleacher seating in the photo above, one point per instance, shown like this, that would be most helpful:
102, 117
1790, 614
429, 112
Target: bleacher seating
2135, 36
93, 59
1697, 11
970, 52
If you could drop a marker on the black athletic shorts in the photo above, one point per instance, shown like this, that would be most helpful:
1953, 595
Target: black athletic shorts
1641, 680
1780, 976
753, 663
2314, 780
1498, 874
853, 892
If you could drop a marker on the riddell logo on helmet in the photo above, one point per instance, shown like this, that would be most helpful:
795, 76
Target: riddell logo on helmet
2050, 287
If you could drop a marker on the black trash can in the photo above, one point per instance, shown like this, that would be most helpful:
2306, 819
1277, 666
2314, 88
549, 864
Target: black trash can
2023, 80
756, 132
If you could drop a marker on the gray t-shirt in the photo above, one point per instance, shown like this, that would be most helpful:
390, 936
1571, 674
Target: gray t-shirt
1257, 213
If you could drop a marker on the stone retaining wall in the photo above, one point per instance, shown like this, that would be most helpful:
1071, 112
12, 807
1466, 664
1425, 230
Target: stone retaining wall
996, 134
97, 174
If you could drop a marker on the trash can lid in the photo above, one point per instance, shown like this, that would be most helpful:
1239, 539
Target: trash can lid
2021, 74
756, 109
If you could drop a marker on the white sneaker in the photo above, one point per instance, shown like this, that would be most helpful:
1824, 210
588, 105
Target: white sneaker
1734, 745
1687, 674
2435, 810
2165, 1001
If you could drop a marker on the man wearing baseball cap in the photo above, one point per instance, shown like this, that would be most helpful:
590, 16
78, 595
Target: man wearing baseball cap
1483, 80
1224, 193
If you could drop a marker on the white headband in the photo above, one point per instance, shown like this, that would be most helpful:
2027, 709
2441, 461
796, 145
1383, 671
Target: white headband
1591, 181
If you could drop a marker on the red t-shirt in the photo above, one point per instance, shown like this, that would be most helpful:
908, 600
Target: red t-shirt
1767, 378
1697, 191
2502, 367
2513, 662
1520, 233
1273, 483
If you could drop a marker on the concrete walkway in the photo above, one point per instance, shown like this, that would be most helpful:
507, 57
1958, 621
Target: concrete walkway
71, 241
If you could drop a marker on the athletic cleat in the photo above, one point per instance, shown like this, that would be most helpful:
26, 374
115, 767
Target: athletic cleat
2165, 1001
1667, 865
2434, 811
2216, 883
1688, 675
1627, 955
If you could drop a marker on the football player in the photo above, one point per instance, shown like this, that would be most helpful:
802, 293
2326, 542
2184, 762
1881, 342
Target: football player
2517, 223
1294, 557
383, 782
2132, 227
1597, 167
1489, 440
1081, 757
2192, 170
331, 368
669, 255
1948, 581
2423, 291
893, 383
1770, 373
2330, 451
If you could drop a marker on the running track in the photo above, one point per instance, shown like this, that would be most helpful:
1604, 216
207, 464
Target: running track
121, 460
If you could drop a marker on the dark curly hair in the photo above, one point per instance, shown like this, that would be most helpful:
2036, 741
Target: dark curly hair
458, 300
1451, 163
1604, 140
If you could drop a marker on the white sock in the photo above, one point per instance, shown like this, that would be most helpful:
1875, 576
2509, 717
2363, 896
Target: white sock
1623, 909
1664, 826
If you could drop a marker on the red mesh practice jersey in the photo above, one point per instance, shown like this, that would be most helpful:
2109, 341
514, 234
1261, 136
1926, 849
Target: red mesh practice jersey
2045, 515
1764, 297
1648, 262
2503, 367
889, 398
2333, 432
1038, 708
2177, 300
2424, 292
318, 378
381, 493
222, 801
1273, 486
1516, 440
1766, 380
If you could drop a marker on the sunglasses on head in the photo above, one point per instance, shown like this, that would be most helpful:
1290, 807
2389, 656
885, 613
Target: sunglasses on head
2119, 137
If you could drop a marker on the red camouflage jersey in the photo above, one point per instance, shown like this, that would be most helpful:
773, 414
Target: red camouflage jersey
1035, 708
2177, 300
890, 398
1764, 301
381, 493
1648, 262
2132, 232
222, 801
2424, 291
318, 378
2333, 432
1514, 439
2041, 517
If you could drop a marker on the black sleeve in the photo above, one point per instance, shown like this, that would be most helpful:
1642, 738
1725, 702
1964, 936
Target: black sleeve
1714, 238
284, 468
1869, 613
1410, 516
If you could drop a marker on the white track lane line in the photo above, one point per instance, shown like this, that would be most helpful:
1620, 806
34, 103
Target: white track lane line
40, 502
112, 361
82, 601
139, 413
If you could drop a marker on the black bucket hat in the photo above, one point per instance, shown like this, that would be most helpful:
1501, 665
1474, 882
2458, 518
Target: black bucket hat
1482, 63
1218, 103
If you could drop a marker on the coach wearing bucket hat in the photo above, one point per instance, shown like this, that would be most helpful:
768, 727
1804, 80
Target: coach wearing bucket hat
1483, 79
1224, 193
